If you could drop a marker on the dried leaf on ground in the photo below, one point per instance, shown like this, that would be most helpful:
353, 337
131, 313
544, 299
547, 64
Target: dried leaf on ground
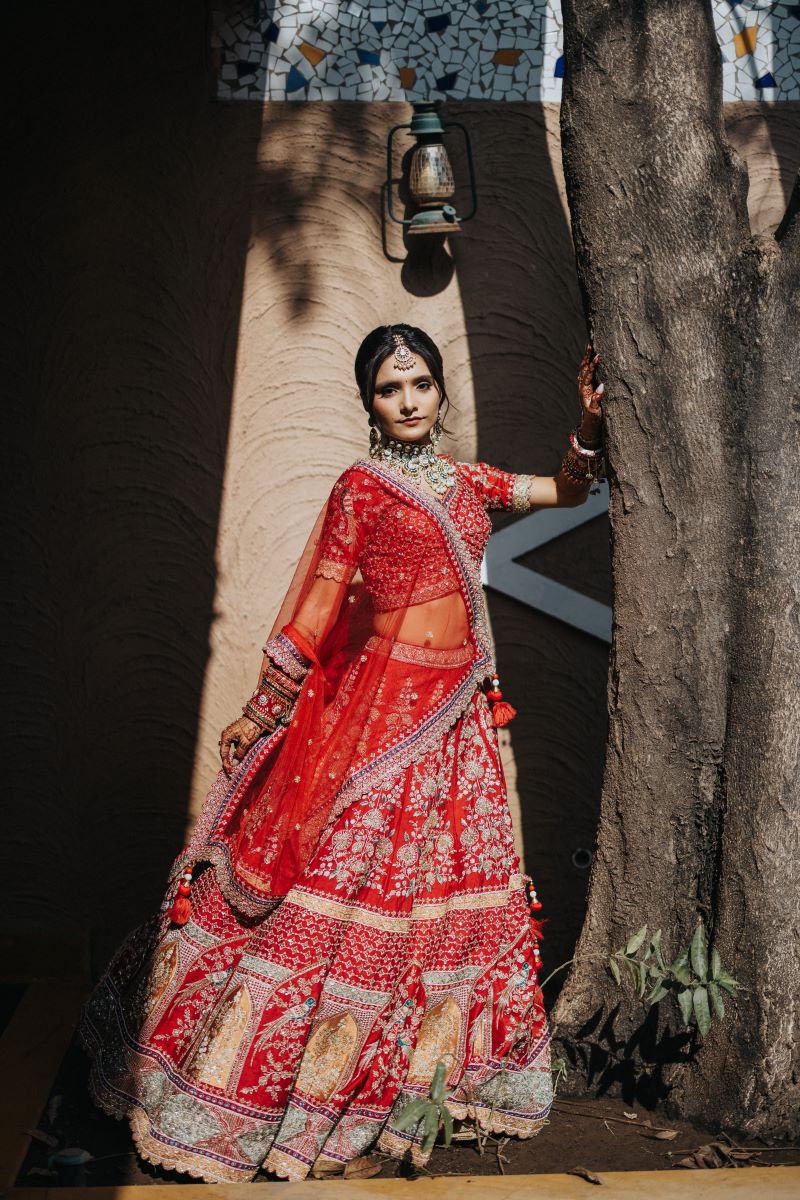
366, 1167
586, 1174
712, 1155
630, 1116
658, 1131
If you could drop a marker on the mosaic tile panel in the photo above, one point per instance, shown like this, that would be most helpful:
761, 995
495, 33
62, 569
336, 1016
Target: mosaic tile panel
484, 50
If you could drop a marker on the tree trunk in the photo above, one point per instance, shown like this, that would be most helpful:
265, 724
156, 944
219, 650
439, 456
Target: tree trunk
698, 325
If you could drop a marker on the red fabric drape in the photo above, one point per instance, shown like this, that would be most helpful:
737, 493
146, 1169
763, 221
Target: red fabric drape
418, 585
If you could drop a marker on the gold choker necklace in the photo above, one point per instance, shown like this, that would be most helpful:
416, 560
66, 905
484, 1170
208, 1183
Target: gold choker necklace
419, 462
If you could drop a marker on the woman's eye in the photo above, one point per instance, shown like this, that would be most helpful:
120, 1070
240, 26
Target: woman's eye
424, 385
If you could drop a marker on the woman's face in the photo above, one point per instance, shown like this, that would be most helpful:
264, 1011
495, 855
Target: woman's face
406, 403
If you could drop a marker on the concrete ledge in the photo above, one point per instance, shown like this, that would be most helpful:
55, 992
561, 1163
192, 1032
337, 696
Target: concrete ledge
746, 1183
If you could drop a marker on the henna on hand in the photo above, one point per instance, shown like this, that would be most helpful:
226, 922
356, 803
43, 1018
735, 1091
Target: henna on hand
591, 397
236, 739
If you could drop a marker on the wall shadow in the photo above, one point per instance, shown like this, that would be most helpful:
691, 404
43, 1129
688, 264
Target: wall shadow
525, 328
127, 243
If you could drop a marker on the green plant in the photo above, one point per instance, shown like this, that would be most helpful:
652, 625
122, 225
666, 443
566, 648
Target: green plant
695, 979
431, 1109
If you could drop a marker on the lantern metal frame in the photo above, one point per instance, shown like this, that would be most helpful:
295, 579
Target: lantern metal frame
427, 123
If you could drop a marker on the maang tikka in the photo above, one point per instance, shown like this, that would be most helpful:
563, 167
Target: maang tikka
404, 357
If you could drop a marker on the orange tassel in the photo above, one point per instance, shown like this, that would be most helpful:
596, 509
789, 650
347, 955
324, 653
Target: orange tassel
181, 909
502, 711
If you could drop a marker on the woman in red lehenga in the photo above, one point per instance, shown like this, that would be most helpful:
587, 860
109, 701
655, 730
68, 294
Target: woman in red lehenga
350, 909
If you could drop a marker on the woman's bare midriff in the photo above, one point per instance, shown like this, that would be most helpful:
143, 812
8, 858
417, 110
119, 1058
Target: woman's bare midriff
441, 623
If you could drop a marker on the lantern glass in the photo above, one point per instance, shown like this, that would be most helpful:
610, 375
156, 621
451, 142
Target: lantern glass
431, 180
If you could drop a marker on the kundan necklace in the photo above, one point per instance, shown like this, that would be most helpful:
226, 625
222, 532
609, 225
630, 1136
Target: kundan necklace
418, 462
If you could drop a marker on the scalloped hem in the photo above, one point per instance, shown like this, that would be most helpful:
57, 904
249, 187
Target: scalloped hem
401, 1146
181, 1159
492, 1121
277, 1162
149, 1148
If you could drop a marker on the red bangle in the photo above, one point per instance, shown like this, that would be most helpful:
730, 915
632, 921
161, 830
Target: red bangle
272, 704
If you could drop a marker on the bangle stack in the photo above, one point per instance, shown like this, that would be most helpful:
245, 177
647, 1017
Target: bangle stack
582, 464
273, 702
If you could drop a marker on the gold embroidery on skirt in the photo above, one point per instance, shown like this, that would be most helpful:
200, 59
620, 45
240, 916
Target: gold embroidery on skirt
151, 982
477, 1039
213, 1060
438, 1038
481, 1043
326, 1056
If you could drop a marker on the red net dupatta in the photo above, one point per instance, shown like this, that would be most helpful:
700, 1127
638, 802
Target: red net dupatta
392, 666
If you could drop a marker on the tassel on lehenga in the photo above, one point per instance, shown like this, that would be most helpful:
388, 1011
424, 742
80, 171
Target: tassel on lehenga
181, 909
502, 711
535, 906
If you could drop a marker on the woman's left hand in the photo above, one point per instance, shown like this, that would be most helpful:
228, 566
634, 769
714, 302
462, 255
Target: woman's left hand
235, 740
591, 396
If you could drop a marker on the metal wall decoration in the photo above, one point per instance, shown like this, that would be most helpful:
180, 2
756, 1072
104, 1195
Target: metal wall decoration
502, 573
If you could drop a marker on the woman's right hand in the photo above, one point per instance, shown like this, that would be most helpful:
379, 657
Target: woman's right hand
236, 739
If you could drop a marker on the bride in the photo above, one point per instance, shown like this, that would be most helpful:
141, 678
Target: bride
350, 911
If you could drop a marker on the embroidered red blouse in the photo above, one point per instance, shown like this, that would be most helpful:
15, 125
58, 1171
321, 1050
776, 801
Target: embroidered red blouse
396, 546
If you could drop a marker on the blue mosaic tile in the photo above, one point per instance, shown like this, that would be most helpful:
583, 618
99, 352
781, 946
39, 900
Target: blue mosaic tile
446, 83
360, 50
295, 80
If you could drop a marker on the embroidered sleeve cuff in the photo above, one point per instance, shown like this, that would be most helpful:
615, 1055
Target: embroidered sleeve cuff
283, 652
521, 494
327, 568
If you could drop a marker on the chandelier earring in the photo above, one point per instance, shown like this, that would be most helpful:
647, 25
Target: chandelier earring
436, 432
375, 439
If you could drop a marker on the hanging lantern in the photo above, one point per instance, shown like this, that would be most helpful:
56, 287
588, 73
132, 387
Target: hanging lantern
430, 177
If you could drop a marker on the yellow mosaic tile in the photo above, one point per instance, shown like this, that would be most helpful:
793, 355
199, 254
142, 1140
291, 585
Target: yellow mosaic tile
745, 42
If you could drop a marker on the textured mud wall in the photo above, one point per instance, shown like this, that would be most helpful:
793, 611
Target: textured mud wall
192, 282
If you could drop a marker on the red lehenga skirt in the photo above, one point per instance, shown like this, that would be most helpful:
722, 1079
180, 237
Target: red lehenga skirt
237, 1043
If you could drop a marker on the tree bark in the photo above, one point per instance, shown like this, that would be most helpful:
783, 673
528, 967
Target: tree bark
698, 325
